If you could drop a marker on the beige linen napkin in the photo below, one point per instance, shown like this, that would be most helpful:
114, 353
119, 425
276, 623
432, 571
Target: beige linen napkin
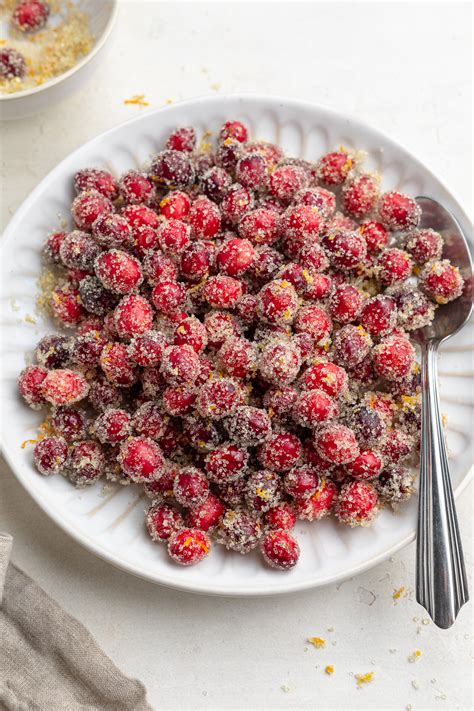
48, 660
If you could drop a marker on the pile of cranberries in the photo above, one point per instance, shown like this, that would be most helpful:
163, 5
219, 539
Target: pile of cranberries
240, 342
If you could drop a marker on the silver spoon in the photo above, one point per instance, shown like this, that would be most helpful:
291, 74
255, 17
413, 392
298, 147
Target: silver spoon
441, 584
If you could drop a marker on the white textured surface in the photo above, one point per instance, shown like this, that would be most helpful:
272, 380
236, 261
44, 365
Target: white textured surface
242, 652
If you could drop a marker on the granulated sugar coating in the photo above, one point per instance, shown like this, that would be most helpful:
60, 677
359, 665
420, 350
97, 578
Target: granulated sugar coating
239, 342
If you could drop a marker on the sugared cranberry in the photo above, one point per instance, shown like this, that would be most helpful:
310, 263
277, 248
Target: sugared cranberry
189, 546
315, 321
441, 281
141, 458
281, 517
147, 348
239, 531
118, 271
279, 401
195, 261
395, 485
133, 315
116, 365
393, 266
227, 154
279, 362
222, 292
64, 387
324, 200
260, 226
271, 152
174, 237
278, 302
300, 481
345, 303
424, 245
359, 196
168, 297
66, 305
379, 315
103, 394
398, 211
31, 15
336, 444
50, 455
180, 365
12, 64
112, 426
367, 465
285, 182
398, 446
182, 139
173, 168
88, 206
351, 344
96, 179
226, 463
190, 487
238, 357
280, 550
280, 452
237, 201
53, 245
251, 171
375, 235
87, 349
215, 183
175, 205
217, 398
313, 257
318, 504
149, 422
393, 357
368, 425
248, 426
204, 218
357, 504
135, 187
326, 376
334, 167
69, 423
346, 249
313, 407
162, 520
54, 351
414, 309
206, 515
219, 326
157, 267
266, 264
235, 130
86, 463
235, 256
262, 491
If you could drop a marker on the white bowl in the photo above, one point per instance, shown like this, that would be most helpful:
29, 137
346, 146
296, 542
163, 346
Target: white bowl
111, 525
102, 14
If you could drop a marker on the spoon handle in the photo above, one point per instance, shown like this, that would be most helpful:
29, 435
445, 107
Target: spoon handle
441, 584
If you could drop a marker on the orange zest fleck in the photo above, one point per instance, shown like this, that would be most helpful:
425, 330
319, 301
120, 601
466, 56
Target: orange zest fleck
329, 669
137, 100
317, 642
398, 593
364, 678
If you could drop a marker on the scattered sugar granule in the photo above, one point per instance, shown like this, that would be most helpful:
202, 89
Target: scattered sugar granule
364, 678
415, 684
392, 650
330, 629
398, 593
317, 642
137, 100
425, 621
30, 319
329, 669
408, 707
216, 86
285, 688
413, 657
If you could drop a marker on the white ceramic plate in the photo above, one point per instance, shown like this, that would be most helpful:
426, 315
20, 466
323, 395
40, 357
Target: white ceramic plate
111, 524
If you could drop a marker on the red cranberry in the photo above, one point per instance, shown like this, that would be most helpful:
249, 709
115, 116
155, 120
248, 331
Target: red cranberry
336, 444
325, 376
393, 357
69, 423
103, 394
182, 139
395, 485
86, 463
88, 206
206, 515
379, 315
375, 235
441, 281
149, 422
278, 302
239, 531
260, 226
66, 305
315, 321
248, 426
220, 326
300, 481
313, 407
313, 257
204, 218
235, 130
162, 520
173, 168
12, 64
222, 292
237, 201
238, 357
266, 264
346, 249
281, 517
367, 465
235, 256
174, 237
398, 211
360, 195
141, 459
280, 550
30, 15
251, 171
190, 487
118, 271
133, 315
351, 344
318, 504
285, 182
116, 365
215, 182
180, 365
393, 266
135, 187
54, 351
96, 179
424, 245
334, 167
217, 398
175, 205
280, 452
50, 455
63, 387
324, 200
188, 546
263, 491
345, 303
279, 362
226, 463
357, 504
398, 446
